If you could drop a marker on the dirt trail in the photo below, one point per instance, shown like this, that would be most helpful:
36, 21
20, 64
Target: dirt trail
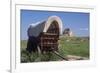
73, 57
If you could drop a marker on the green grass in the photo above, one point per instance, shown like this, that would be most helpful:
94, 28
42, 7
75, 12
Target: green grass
75, 46
23, 44
67, 46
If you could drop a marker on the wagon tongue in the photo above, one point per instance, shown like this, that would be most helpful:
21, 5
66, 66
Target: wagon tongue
55, 52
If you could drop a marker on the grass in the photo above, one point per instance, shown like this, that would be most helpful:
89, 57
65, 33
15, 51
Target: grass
67, 46
75, 46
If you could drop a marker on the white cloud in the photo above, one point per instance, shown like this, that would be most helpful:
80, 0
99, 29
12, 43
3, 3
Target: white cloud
86, 29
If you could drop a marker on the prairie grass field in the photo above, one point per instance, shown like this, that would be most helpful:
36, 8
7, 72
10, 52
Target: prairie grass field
78, 46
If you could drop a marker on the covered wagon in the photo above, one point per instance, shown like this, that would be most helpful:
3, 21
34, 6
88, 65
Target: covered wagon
44, 35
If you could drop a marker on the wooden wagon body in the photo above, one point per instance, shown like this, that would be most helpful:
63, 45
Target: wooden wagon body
45, 35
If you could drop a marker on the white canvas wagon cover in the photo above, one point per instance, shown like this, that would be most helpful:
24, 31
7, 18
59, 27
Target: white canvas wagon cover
36, 29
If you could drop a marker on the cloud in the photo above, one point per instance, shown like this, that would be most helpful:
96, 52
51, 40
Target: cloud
84, 29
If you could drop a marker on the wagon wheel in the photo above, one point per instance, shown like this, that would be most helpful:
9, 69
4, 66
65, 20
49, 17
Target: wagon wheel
39, 50
39, 54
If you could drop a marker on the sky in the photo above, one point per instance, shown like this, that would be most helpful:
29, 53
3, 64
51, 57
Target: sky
78, 22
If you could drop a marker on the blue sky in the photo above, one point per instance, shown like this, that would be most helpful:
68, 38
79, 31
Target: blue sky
78, 22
